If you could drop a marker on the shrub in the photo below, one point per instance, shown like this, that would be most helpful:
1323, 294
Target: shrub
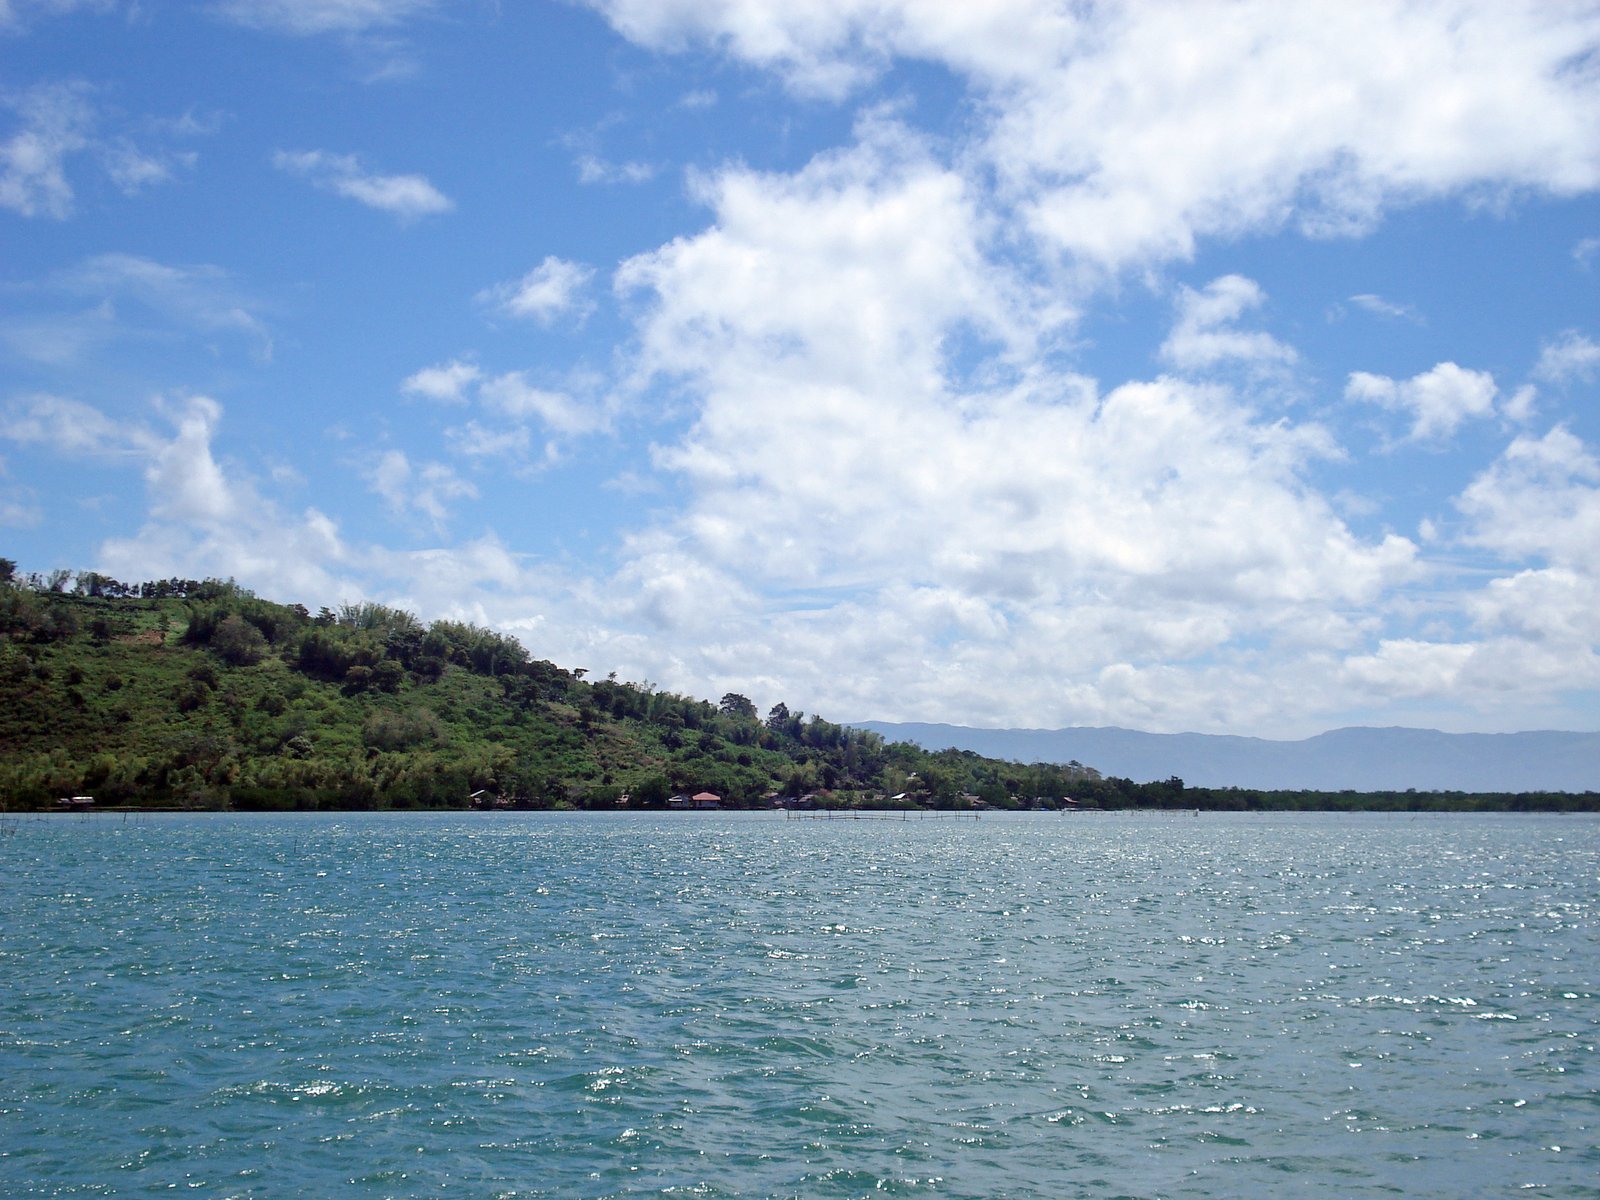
239, 642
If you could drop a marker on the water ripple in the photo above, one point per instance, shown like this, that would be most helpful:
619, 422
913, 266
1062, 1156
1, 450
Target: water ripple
733, 1006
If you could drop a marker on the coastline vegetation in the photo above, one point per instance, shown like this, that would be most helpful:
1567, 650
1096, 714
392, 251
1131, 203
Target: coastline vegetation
198, 694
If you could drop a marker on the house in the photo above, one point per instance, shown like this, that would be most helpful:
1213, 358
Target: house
678, 801
705, 800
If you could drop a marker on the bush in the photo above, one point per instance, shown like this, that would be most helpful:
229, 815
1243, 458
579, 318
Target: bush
400, 730
239, 642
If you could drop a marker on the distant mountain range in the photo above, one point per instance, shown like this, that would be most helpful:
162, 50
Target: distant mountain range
1359, 759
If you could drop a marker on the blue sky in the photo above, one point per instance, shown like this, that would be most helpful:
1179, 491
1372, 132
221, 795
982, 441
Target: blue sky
1182, 366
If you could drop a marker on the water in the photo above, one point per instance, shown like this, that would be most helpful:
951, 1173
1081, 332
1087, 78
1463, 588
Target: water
734, 1005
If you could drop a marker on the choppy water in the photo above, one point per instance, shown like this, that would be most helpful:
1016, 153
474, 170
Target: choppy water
735, 1005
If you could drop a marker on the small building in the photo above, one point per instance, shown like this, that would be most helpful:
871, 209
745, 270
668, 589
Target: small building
705, 800
679, 801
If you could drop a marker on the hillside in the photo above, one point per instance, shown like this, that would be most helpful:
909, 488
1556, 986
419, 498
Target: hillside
1364, 760
199, 694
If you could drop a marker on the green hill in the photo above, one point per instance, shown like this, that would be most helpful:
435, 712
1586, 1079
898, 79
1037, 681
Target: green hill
199, 694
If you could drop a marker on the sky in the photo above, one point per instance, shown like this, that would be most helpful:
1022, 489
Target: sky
1226, 367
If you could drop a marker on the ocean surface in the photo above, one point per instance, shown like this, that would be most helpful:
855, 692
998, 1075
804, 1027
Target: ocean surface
725, 1004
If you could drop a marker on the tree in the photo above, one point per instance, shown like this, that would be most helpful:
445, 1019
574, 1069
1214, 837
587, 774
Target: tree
735, 705
239, 642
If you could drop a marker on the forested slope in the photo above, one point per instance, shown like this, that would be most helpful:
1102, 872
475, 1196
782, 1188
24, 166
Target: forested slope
201, 694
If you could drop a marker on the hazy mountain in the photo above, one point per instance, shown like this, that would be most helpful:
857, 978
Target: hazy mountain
1361, 759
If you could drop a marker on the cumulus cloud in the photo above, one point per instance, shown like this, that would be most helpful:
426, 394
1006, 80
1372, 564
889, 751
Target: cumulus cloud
1536, 511
1541, 499
1571, 357
1438, 401
1125, 132
1032, 544
1205, 334
875, 453
875, 252
510, 407
553, 288
446, 384
408, 197
513, 396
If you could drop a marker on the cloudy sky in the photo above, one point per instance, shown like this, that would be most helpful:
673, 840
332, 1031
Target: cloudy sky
1185, 366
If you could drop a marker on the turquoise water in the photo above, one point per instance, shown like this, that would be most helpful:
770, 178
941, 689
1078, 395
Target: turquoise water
735, 1005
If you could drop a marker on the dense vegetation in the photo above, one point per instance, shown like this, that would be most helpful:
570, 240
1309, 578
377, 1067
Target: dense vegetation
198, 694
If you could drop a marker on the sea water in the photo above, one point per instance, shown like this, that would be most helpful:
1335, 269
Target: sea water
709, 1004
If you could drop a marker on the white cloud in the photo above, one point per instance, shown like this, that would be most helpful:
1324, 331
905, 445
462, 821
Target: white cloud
1032, 545
71, 427
1404, 668
426, 489
19, 511
57, 122
513, 396
553, 288
1541, 499
1538, 626
874, 453
14, 14
875, 252
309, 17
593, 169
1570, 357
186, 482
1437, 400
133, 169
202, 518
200, 297
1584, 252
1520, 406
446, 384
513, 405
1123, 132
1551, 605
812, 44
1388, 309
1205, 336
408, 197
474, 440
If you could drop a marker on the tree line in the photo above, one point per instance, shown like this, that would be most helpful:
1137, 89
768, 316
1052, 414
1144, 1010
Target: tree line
200, 693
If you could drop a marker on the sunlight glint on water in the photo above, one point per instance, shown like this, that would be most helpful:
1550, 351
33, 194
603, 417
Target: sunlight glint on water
736, 1005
